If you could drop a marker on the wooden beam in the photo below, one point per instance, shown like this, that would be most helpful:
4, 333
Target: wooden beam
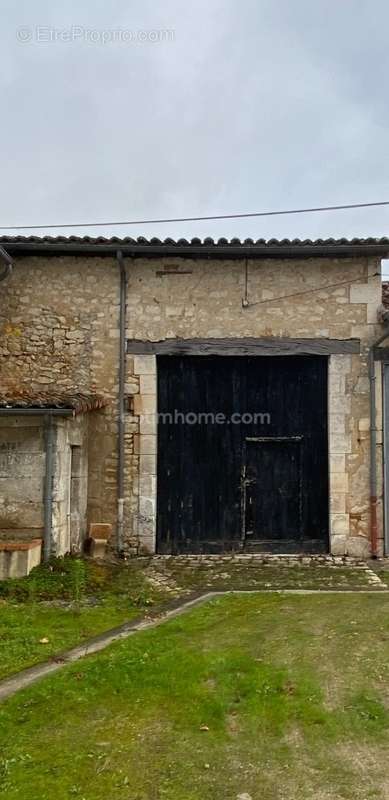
272, 346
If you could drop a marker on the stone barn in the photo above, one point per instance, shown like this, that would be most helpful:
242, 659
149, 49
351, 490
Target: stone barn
191, 397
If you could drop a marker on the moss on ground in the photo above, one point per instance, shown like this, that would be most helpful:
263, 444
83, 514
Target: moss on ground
237, 574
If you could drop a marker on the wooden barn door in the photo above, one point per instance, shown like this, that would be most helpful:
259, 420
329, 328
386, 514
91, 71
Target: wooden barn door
242, 454
273, 490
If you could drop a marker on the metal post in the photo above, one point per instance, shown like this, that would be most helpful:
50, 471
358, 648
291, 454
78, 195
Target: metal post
373, 447
48, 493
121, 420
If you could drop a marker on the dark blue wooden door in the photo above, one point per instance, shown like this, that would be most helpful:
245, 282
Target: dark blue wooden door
242, 454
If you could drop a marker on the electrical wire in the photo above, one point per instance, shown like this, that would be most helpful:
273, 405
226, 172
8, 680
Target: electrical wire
247, 304
197, 219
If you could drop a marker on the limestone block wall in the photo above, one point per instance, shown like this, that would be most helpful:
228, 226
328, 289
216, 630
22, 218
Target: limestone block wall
145, 445
348, 457
22, 467
206, 299
22, 480
59, 329
70, 484
59, 326
208, 303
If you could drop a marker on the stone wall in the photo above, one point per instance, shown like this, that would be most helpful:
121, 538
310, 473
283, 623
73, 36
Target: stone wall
22, 480
22, 468
59, 325
70, 484
208, 303
59, 328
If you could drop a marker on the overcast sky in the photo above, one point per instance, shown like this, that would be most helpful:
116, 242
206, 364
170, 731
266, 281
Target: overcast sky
243, 106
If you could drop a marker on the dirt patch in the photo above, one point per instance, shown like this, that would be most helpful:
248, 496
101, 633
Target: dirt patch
232, 724
369, 763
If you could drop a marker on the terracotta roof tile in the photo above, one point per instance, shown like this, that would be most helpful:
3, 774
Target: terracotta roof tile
208, 241
196, 247
78, 402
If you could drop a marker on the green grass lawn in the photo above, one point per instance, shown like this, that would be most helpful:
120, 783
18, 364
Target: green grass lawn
66, 602
281, 697
61, 605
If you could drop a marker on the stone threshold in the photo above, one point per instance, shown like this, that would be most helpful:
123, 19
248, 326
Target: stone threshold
285, 559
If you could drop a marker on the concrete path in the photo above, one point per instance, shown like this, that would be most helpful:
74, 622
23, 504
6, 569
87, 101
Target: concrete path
20, 680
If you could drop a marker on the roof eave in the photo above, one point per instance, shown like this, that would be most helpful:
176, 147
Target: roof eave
200, 251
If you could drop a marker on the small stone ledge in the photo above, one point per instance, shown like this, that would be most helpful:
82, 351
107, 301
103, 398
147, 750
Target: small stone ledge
17, 559
12, 546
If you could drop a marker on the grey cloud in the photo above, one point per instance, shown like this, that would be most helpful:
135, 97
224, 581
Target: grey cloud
255, 105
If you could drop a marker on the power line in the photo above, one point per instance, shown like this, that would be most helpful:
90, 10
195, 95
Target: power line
196, 219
